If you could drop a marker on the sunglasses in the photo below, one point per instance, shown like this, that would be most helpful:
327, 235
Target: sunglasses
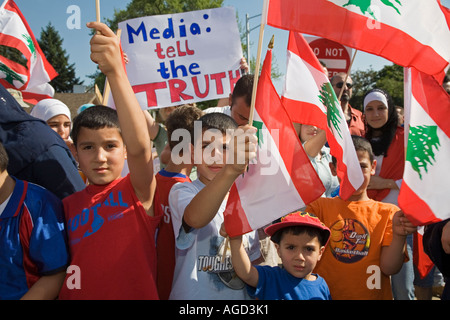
339, 85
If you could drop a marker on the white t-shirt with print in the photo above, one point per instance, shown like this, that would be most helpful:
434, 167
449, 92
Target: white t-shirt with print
200, 272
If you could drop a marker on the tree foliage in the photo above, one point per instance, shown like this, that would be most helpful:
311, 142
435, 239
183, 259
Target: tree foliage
389, 78
51, 44
142, 8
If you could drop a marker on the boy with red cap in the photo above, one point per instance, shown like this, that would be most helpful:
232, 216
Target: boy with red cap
368, 238
300, 239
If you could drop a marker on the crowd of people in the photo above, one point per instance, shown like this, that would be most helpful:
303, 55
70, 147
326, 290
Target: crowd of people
84, 214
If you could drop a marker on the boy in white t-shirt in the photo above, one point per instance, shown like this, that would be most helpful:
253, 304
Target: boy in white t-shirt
201, 270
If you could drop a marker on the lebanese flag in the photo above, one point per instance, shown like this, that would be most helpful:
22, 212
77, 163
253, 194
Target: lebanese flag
310, 99
424, 190
408, 33
282, 180
33, 79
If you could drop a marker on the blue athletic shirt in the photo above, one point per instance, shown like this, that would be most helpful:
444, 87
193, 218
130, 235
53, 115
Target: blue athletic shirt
32, 239
276, 283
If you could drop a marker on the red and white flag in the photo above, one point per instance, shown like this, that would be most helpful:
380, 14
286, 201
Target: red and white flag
34, 79
282, 180
423, 193
406, 32
424, 190
309, 98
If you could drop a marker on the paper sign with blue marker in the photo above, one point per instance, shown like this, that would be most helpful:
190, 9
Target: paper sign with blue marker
182, 58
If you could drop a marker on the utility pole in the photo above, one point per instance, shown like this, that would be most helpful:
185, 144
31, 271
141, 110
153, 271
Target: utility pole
247, 34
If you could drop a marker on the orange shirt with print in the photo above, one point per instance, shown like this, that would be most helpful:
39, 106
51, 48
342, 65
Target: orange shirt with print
351, 262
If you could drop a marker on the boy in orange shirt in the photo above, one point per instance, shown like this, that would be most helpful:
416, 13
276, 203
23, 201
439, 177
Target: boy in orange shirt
368, 238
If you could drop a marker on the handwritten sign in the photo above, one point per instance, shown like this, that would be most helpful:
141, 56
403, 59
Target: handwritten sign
182, 58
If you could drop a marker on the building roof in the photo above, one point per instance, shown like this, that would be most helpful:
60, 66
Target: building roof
76, 100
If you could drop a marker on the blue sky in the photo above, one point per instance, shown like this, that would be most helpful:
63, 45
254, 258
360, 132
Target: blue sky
39, 13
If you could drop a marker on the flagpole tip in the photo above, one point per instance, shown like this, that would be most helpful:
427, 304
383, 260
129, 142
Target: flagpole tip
271, 42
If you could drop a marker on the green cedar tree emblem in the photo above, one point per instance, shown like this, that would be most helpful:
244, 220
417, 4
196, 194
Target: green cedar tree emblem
330, 101
259, 125
364, 5
10, 75
259, 134
423, 142
30, 45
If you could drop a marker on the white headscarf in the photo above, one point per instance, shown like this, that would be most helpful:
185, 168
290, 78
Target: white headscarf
375, 96
49, 108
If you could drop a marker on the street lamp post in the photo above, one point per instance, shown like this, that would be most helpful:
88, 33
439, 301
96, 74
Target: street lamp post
247, 33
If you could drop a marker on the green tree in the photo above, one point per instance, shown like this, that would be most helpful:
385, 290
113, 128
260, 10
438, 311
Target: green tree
363, 81
143, 8
13, 54
51, 44
389, 78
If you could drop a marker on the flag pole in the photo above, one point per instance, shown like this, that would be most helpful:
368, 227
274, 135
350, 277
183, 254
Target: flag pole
346, 76
97, 12
258, 60
97, 9
107, 88
255, 86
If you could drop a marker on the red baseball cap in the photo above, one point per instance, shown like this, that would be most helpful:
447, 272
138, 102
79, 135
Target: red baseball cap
299, 218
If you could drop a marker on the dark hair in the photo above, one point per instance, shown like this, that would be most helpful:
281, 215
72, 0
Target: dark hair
96, 117
4, 159
215, 121
297, 230
243, 88
360, 144
380, 144
182, 117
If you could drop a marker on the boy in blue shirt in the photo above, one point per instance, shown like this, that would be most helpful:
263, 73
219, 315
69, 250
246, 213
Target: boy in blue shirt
33, 249
300, 239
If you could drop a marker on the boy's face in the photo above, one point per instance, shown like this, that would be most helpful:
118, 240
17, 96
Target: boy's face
210, 155
100, 154
240, 111
367, 168
299, 253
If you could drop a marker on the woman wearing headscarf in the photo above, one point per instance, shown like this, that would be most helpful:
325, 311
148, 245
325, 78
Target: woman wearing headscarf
57, 115
387, 140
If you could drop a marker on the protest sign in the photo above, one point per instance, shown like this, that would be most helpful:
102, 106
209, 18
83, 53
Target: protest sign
182, 58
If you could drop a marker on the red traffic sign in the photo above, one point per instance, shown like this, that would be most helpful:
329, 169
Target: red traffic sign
335, 56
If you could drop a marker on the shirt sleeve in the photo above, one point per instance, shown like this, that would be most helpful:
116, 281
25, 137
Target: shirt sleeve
48, 241
314, 208
180, 196
258, 292
388, 235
